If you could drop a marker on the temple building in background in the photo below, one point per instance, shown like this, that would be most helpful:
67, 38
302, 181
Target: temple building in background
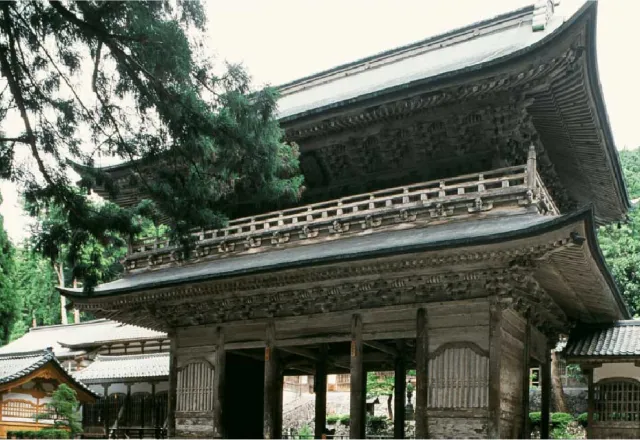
454, 187
124, 368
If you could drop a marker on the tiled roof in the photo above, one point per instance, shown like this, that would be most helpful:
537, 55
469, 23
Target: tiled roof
67, 339
619, 339
127, 366
17, 365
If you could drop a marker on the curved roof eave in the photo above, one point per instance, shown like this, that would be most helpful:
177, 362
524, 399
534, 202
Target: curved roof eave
585, 214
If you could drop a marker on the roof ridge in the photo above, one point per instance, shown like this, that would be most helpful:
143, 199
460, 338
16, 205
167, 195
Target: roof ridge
41, 352
114, 357
447, 35
74, 324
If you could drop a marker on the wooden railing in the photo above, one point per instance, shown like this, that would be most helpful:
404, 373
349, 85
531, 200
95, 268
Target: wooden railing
437, 200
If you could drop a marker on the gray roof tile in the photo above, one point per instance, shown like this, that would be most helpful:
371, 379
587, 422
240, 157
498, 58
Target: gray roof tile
126, 366
621, 338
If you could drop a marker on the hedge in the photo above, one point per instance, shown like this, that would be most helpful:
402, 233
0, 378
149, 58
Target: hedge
43, 433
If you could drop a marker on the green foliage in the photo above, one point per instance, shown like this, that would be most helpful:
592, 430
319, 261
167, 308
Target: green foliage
561, 419
378, 385
305, 432
620, 244
9, 304
345, 419
43, 433
199, 142
332, 419
583, 419
64, 406
375, 425
534, 418
559, 423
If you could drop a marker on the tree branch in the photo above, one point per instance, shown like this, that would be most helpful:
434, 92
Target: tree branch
22, 139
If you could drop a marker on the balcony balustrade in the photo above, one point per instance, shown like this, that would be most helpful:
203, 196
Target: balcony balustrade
502, 191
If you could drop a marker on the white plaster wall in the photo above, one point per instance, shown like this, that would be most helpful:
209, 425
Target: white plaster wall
97, 388
626, 369
141, 387
117, 388
26, 420
162, 386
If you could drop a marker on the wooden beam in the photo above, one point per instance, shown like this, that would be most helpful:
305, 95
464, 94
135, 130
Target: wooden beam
590, 402
526, 366
495, 354
422, 374
219, 380
306, 353
357, 394
399, 391
320, 384
246, 354
545, 379
383, 348
271, 372
173, 385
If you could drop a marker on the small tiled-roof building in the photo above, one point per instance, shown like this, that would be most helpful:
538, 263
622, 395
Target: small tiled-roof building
610, 357
27, 381
127, 365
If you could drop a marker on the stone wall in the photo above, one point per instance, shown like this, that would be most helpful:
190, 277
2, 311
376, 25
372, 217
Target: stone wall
576, 399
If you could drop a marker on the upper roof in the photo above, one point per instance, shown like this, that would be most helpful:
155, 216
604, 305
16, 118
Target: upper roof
18, 365
126, 367
69, 340
471, 46
620, 340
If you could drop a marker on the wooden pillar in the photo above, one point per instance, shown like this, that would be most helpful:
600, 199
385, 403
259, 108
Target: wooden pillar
422, 375
320, 385
154, 422
173, 386
271, 383
545, 379
526, 367
220, 361
357, 407
495, 354
590, 402
399, 391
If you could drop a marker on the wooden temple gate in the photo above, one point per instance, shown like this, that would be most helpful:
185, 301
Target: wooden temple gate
448, 225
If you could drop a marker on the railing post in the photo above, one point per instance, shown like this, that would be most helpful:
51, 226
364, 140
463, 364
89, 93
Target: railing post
531, 167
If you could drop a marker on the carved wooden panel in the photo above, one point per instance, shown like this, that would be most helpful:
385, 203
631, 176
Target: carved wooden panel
195, 387
459, 376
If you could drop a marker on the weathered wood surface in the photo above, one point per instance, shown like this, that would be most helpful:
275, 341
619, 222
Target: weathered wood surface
271, 391
422, 374
399, 391
173, 385
545, 404
358, 379
495, 366
220, 362
526, 367
320, 384
512, 373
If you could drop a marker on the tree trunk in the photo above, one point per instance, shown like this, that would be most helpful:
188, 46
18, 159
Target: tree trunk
76, 312
556, 381
389, 406
59, 268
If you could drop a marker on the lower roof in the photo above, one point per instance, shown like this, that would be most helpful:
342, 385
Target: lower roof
125, 367
16, 366
576, 277
619, 340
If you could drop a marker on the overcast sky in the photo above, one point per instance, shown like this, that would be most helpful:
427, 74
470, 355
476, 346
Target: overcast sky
281, 40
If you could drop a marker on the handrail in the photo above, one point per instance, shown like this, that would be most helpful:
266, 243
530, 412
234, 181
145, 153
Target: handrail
367, 203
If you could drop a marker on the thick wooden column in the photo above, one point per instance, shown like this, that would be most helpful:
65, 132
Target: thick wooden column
422, 375
590, 401
495, 353
357, 408
219, 370
545, 379
271, 382
526, 367
399, 391
173, 385
320, 385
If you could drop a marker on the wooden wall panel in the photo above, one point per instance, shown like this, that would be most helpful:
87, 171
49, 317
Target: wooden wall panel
512, 370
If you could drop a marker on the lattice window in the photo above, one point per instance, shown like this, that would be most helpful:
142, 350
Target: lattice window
21, 408
617, 400
160, 409
92, 413
195, 387
459, 376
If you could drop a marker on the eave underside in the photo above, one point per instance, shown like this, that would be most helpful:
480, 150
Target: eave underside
553, 274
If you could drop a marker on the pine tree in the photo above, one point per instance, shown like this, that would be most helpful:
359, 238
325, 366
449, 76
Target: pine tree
151, 97
9, 306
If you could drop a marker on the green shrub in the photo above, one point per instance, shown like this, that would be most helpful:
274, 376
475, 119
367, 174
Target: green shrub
305, 432
332, 419
376, 424
583, 419
44, 433
345, 419
535, 417
561, 420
